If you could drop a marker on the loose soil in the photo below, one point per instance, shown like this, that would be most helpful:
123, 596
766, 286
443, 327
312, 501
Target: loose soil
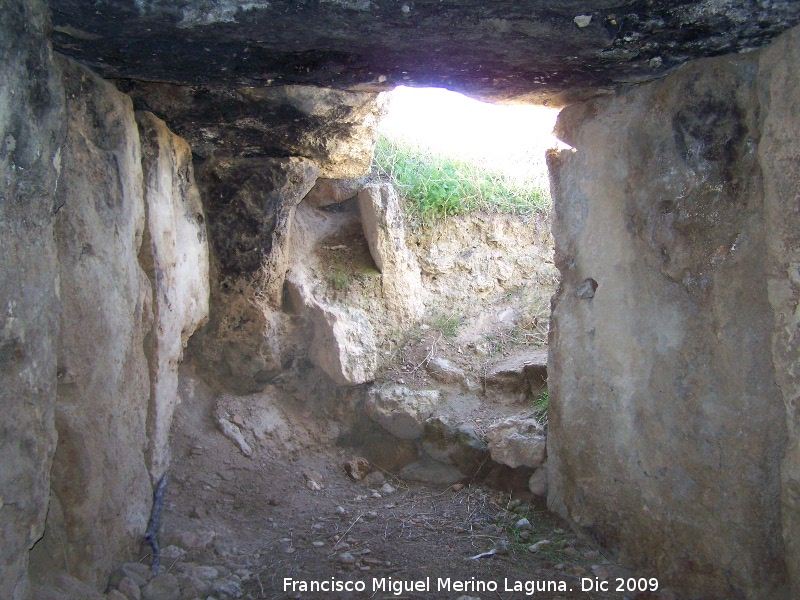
268, 524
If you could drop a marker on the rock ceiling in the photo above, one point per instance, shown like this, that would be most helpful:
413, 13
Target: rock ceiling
550, 51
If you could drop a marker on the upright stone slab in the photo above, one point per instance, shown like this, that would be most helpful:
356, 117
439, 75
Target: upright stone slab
666, 427
101, 493
382, 220
31, 113
175, 257
779, 157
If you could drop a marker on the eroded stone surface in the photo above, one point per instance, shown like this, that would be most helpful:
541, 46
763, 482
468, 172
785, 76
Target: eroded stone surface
333, 191
661, 205
384, 228
455, 444
250, 206
101, 492
343, 344
400, 410
31, 113
503, 49
517, 442
175, 257
779, 78
336, 129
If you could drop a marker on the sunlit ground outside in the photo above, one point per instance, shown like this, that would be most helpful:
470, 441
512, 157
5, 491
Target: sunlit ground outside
450, 154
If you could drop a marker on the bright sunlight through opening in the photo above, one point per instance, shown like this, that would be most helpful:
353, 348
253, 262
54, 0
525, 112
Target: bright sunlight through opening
448, 154
511, 138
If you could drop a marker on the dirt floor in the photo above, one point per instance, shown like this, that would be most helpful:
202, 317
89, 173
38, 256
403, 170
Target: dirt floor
260, 521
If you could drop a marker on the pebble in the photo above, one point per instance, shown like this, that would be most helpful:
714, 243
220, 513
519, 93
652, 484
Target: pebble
523, 524
318, 544
347, 558
340, 510
204, 572
313, 485
371, 515
501, 547
538, 545
116, 595
388, 488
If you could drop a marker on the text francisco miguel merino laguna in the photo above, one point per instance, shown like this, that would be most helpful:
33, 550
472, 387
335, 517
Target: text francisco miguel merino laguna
428, 584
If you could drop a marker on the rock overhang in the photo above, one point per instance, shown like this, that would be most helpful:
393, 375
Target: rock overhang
539, 51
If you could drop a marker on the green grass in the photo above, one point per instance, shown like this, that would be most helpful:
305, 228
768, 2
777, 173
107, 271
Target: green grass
447, 325
540, 407
437, 186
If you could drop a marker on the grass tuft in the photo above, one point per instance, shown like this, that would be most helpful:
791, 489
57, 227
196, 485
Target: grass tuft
437, 186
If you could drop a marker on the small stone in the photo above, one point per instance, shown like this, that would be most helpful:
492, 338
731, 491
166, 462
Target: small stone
128, 588
501, 547
290, 550
523, 524
172, 552
313, 485
357, 467
347, 558
162, 587
229, 587
376, 495
538, 545
591, 554
582, 20
458, 487
524, 536
199, 512
340, 510
318, 544
371, 515
387, 489
204, 572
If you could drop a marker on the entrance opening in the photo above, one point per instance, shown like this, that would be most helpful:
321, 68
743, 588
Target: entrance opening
474, 186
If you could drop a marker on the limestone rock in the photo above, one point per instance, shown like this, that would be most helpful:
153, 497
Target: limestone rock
779, 77
139, 573
357, 468
455, 444
335, 129
488, 51
175, 257
443, 370
233, 433
333, 191
129, 589
32, 109
521, 376
57, 585
517, 442
101, 492
677, 338
400, 410
537, 484
250, 206
162, 587
382, 220
343, 344
427, 470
